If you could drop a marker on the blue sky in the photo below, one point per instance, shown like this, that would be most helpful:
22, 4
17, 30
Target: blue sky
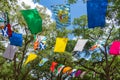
78, 9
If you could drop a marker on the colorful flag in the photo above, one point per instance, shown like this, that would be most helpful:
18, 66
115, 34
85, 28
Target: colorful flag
73, 72
10, 52
36, 45
43, 61
78, 72
9, 30
42, 46
115, 48
33, 20
30, 57
60, 44
62, 15
5, 31
2, 23
16, 39
66, 69
94, 47
80, 44
53, 65
96, 10
59, 69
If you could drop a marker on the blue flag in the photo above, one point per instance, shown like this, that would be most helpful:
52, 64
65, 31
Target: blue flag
16, 39
96, 11
5, 32
62, 15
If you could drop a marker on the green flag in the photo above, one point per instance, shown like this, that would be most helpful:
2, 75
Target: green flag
33, 20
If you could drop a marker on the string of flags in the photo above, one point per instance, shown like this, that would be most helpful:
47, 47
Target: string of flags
96, 10
56, 69
14, 38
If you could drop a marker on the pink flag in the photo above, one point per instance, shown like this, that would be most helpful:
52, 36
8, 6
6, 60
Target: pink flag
115, 48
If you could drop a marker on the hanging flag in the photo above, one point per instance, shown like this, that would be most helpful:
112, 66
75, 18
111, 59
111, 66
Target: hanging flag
42, 46
30, 58
42, 62
9, 30
2, 23
16, 39
66, 69
60, 44
115, 48
59, 69
80, 44
96, 12
40, 42
10, 52
73, 73
78, 72
52, 67
33, 20
36, 45
62, 15
5, 32
94, 47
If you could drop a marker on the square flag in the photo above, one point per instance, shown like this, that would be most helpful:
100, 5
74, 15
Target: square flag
60, 44
80, 44
33, 20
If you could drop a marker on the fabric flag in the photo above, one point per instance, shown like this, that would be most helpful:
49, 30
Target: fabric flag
43, 61
2, 23
73, 72
82, 74
66, 69
96, 10
5, 32
9, 30
59, 69
78, 72
16, 39
33, 20
42, 39
60, 44
115, 48
80, 44
42, 46
10, 52
30, 57
62, 15
36, 44
93, 47
52, 67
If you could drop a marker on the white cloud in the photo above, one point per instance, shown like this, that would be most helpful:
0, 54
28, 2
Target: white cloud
33, 5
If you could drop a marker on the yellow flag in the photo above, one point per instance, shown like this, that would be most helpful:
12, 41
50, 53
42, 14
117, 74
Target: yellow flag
30, 57
60, 44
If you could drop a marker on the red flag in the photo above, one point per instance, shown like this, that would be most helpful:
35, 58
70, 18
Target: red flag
52, 67
9, 30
